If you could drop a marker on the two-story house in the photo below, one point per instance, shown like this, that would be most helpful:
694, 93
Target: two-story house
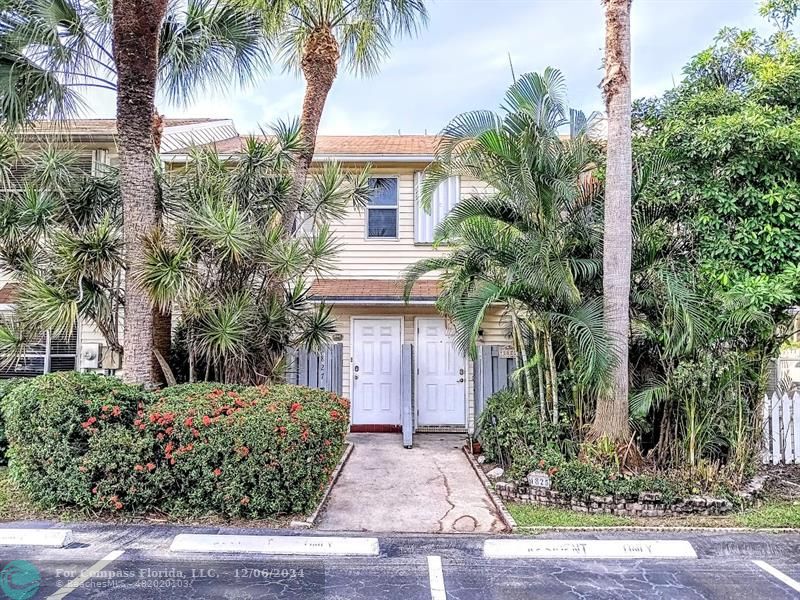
373, 319
377, 244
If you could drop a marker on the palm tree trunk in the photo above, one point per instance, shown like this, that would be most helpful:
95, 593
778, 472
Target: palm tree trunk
136, 29
319, 66
611, 418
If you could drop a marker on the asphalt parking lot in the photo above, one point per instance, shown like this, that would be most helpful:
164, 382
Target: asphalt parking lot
137, 563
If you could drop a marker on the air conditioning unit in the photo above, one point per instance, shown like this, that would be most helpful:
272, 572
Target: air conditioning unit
90, 356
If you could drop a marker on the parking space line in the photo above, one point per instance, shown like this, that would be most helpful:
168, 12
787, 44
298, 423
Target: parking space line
437, 578
86, 575
778, 575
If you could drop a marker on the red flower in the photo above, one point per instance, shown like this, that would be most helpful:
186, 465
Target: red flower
138, 468
150, 466
296, 406
206, 420
116, 411
335, 414
188, 422
195, 432
82, 469
541, 463
153, 417
91, 420
244, 501
304, 435
217, 472
169, 430
552, 471
244, 451
105, 407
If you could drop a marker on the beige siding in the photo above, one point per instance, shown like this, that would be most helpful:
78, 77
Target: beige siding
494, 333
360, 257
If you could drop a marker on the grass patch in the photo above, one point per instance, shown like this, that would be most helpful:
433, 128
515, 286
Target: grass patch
776, 514
528, 515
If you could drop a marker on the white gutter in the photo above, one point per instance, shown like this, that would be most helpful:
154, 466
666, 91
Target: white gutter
373, 302
372, 158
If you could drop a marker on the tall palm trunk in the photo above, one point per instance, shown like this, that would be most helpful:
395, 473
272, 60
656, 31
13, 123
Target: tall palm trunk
136, 28
611, 419
319, 66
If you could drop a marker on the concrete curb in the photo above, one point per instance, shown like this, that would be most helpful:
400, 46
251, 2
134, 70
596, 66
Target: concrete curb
505, 516
311, 520
52, 538
588, 549
664, 528
275, 544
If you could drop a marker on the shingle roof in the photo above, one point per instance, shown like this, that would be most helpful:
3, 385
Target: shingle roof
8, 293
372, 289
352, 145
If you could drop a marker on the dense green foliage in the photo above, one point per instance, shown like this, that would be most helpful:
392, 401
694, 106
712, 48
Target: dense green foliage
6, 386
240, 287
54, 421
731, 131
93, 442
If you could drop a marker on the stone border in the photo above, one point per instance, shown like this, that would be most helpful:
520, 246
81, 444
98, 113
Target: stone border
502, 511
311, 520
643, 504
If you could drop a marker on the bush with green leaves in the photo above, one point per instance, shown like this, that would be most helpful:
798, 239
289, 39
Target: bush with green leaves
512, 434
94, 442
55, 422
6, 386
243, 451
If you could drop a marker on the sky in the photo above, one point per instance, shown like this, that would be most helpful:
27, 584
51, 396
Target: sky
460, 62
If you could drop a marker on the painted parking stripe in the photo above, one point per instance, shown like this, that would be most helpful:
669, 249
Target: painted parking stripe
86, 575
594, 549
437, 578
54, 538
276, 544
778, 575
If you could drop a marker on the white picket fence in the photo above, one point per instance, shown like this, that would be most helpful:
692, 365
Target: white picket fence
781, 439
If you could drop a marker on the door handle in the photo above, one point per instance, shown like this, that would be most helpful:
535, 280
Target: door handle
461, 380
355, 376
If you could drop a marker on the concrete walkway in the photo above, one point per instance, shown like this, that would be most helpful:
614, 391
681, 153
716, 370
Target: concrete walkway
428, 489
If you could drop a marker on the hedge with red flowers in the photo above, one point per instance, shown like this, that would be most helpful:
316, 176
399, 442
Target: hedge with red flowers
192, 449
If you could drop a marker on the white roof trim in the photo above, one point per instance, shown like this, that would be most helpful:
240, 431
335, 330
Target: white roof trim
372, 158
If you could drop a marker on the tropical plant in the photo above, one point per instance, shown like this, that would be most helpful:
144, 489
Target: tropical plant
528, 245
60, 238
314, 37
240, 286
611, 416
51, 49
53, 52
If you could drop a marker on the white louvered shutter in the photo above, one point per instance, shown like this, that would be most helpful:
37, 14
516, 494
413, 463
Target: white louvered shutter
444, 199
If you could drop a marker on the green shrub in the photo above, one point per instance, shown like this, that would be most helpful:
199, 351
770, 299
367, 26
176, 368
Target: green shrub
94, 442
253, 451
53, 422
511, 434
6, 385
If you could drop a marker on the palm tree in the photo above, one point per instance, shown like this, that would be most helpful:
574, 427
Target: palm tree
611, 417
529, 244
242, 287
314, 36
50, 50
136, 26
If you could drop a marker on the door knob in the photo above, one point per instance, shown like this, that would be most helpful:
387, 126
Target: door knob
461, 380
355, 376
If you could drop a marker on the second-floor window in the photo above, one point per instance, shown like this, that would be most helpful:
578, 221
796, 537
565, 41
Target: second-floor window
382, 208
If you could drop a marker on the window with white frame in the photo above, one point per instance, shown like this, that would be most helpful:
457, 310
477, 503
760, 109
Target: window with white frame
50, 353
382, 208
445, 197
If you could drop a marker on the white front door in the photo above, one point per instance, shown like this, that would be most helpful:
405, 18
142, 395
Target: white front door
441, 375
376, 371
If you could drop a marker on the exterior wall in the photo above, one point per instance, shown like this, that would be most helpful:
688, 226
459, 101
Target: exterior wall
494, 334
384, 258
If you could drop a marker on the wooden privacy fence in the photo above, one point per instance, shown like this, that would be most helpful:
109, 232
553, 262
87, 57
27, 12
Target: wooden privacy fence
492, 372
321, 369
781, 436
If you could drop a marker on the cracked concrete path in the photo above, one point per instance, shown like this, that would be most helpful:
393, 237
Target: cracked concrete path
430, 488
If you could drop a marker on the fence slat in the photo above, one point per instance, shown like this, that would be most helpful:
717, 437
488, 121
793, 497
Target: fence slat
796, 428
777, 447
